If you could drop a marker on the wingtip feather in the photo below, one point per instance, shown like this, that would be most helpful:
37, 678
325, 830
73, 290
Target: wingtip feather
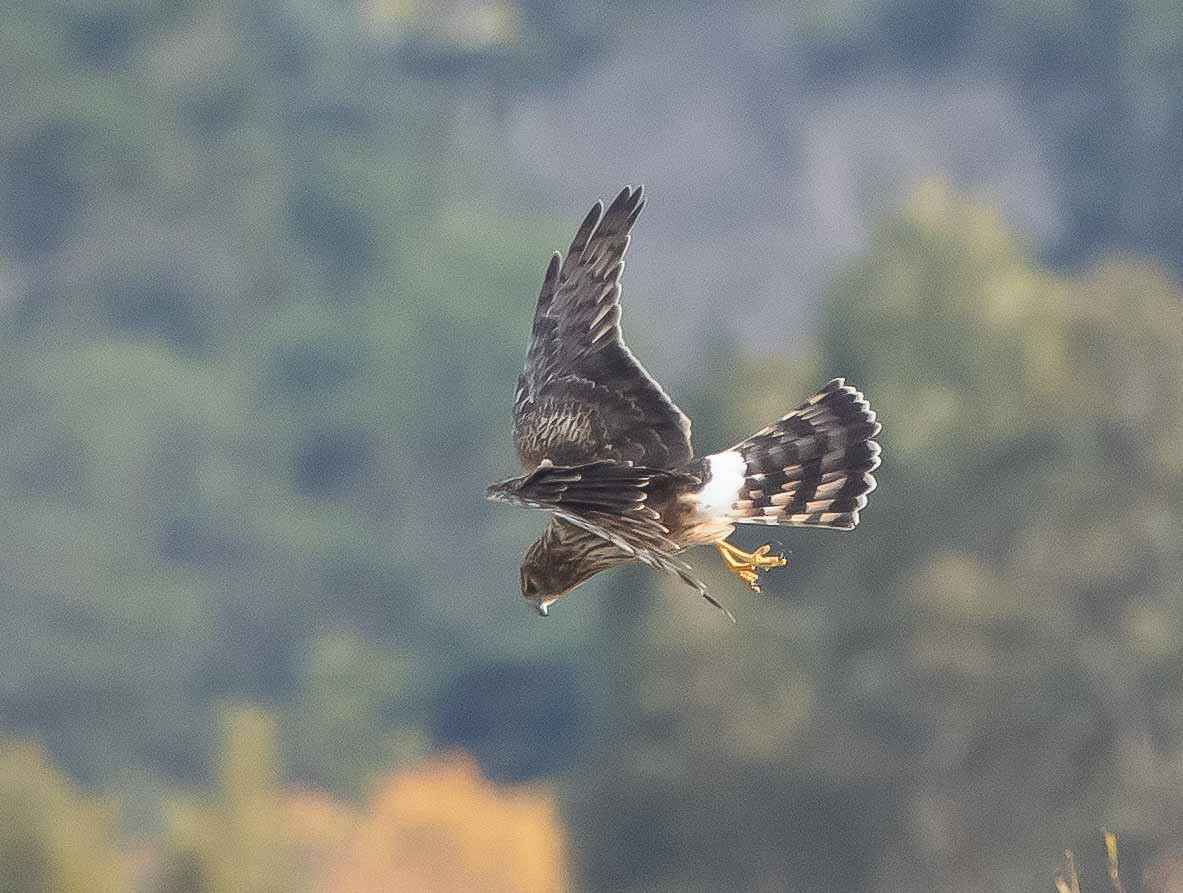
586, 228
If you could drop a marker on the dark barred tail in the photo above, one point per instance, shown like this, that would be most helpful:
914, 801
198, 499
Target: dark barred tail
813, 467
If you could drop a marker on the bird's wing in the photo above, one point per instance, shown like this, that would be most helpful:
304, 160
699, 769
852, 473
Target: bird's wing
583, 395
607, 498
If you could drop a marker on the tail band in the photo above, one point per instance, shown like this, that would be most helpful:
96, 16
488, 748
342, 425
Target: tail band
813, 467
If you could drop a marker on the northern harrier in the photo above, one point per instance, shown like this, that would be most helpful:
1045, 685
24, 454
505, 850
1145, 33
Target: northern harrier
608, 453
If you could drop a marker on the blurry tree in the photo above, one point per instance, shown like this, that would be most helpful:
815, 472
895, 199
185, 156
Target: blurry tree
442, 827
1098, 77
321, 829
434, 826
998, 642
1037, 474
235, 838
238, 256
52, 837
357, 714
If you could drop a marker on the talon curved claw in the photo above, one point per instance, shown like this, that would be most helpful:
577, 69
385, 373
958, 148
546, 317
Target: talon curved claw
746, 564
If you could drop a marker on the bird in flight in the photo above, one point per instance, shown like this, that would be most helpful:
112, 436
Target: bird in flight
608, 454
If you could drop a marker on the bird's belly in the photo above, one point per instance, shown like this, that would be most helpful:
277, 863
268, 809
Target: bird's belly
691, 527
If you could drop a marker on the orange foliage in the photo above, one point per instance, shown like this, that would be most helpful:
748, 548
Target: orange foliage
320, 831
436, 828
443, 827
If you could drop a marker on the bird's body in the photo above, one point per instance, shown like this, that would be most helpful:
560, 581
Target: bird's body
608, 452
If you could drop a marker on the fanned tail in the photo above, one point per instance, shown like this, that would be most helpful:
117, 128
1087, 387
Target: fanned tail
813, 467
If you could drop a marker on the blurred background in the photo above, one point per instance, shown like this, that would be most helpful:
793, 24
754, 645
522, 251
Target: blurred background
266, 277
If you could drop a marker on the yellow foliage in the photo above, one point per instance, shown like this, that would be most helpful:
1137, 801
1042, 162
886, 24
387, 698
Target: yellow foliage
51, 836
237, 839
442, 827
320, 831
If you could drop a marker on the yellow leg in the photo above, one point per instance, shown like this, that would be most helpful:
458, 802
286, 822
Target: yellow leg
745, 564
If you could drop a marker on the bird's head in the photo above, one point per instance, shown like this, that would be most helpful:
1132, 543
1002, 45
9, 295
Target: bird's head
555, 564
536, 591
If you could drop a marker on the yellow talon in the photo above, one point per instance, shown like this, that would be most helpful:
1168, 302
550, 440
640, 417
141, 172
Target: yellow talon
745, 564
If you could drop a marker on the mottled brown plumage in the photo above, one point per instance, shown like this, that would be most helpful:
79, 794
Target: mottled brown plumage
582, 395
608, 453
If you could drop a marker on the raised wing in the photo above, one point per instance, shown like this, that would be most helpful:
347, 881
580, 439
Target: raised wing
583, 396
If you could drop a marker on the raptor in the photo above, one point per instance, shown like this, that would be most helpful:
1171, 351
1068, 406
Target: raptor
608, 453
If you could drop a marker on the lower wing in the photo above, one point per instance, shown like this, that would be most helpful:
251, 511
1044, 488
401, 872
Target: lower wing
607, 498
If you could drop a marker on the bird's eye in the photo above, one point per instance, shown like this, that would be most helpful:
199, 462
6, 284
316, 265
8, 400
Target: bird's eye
529, 587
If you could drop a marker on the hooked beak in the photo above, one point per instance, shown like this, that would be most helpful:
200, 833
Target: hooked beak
543, 607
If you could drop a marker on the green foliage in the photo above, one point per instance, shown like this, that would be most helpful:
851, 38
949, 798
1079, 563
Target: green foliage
225, 384
359, 712
997, 643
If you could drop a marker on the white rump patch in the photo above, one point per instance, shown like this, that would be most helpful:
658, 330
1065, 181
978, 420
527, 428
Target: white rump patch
722, 490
